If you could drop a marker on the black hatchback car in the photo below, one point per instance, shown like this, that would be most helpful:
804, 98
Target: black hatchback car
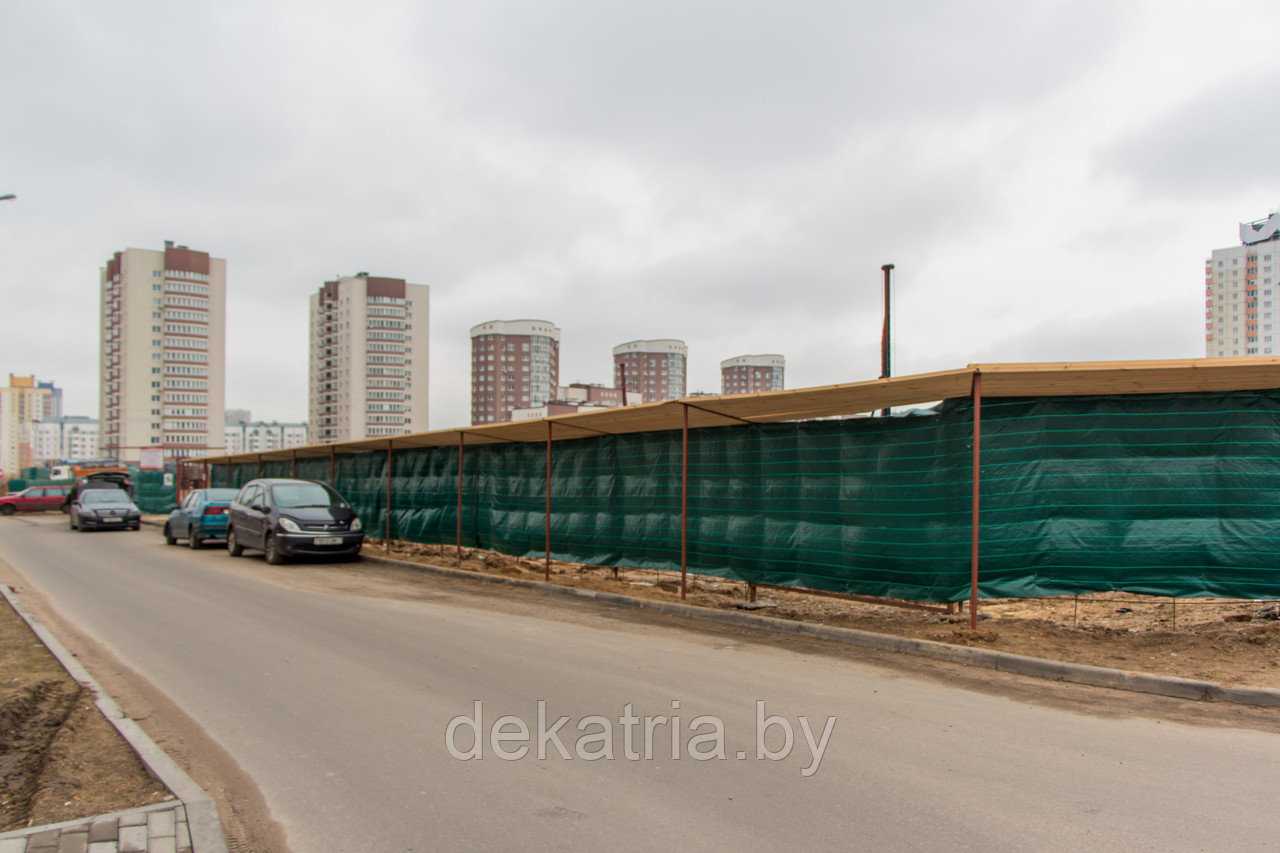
286, 518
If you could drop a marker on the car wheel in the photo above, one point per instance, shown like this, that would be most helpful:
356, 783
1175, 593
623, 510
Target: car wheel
233, 545
168, 535
271, 550
6, 509
194, 541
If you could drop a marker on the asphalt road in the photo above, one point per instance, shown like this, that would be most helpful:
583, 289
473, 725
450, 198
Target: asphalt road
338, 706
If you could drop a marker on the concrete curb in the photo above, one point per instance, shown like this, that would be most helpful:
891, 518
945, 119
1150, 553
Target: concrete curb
1053, 670
203, 822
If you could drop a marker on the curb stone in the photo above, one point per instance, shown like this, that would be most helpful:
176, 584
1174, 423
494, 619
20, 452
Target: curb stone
203, 822
1053, 670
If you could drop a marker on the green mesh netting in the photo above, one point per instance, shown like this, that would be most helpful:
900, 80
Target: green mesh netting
1160, 494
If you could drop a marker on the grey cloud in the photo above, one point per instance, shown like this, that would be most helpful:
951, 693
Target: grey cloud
1218, 142
1172, 328
542, 159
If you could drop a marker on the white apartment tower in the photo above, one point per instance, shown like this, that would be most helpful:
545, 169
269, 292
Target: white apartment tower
22, 408
163, 356
1239, 291
515, 364
69, 438
368, 358
752, 374
657, 369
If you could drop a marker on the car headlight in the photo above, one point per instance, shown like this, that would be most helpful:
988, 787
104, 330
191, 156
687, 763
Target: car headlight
356, 525
290, 525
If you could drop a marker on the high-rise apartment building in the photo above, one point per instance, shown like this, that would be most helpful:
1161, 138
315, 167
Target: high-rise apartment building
751, 374
515, 364
52, 401
1239, 292
244, 435
657, 369
369, 358
68, 438
22, 407
163, 356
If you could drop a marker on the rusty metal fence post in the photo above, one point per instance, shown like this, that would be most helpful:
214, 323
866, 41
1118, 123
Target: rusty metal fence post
977, 455
547, 572
388, 496
684, 502
458, 541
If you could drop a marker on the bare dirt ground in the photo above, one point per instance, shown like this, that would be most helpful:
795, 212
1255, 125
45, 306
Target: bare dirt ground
56, 749
1229, 642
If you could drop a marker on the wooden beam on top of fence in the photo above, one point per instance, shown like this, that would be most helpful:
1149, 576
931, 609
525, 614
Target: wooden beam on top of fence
584, 429
977, 458
688, 406
492, 437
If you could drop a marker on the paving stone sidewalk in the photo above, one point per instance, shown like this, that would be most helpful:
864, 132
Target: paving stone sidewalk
161, 828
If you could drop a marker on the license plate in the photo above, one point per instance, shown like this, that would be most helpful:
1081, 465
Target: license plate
327, 540
112, 520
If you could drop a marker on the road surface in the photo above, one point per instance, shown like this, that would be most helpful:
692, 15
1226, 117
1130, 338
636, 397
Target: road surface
340, 707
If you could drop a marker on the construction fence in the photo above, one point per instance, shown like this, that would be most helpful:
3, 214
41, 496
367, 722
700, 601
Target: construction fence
1162, 494
153, 492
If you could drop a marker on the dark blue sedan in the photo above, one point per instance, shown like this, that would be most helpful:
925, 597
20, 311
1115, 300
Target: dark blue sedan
202, 516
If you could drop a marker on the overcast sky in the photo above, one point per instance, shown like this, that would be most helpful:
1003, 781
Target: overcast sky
1048, 178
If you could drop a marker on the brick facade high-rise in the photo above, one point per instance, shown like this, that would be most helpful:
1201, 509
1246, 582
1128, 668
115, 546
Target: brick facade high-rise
751, 374
515, 364
657, 369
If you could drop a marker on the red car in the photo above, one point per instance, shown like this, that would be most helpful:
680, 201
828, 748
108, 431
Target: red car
34, 499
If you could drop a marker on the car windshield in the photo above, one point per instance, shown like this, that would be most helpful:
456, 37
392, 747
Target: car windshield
104, 496
295, 495
212, 495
